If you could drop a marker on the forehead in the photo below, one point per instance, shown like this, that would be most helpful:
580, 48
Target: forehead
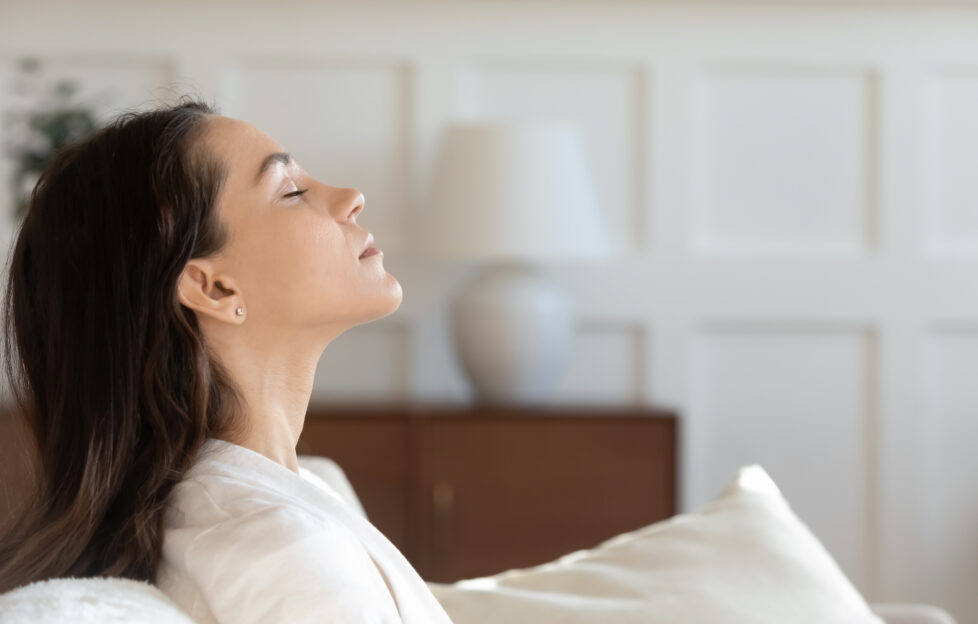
239, 144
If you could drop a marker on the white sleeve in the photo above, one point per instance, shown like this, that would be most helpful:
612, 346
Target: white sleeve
283, 565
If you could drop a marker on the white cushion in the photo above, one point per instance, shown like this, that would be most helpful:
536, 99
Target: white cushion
103, 600
910, 613
745, 558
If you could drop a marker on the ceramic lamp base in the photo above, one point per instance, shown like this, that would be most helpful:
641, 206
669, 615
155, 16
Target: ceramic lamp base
513, 332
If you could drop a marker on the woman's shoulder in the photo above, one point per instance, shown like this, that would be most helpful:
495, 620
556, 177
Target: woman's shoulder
230, 497
207, 498
275, 557
206, 528
226, 480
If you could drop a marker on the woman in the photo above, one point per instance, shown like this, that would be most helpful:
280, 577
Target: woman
171, 290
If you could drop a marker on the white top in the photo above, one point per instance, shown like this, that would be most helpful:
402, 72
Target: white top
248, 540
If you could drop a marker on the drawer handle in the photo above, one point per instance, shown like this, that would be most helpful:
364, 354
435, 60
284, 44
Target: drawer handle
444, 497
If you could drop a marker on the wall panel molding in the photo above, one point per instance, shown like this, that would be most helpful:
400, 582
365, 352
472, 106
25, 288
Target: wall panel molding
784, 159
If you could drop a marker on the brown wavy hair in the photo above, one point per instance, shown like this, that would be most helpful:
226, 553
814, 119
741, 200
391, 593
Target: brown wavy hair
109, 373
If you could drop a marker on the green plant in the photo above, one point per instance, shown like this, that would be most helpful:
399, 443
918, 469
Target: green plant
50, 119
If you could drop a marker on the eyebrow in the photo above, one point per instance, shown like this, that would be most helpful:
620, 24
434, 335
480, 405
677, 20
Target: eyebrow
277, 157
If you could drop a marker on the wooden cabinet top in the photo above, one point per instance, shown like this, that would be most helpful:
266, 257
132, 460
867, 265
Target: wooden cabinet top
454, 410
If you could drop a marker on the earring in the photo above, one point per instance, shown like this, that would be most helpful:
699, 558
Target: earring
239, 311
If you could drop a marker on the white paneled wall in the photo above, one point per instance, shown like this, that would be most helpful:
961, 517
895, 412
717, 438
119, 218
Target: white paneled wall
948, 529
792, 191
783, 159
797, 400
949, 180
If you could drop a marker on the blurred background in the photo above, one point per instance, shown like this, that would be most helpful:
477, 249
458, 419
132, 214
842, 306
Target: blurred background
789, 193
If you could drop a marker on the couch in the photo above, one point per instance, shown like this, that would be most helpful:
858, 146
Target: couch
117, 600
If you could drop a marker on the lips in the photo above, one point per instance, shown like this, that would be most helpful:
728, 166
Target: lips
368, 248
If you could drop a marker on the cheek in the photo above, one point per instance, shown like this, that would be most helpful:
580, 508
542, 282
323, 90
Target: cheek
306, 271
330, 270
299, 263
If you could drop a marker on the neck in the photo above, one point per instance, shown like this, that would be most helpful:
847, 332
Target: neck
275, 377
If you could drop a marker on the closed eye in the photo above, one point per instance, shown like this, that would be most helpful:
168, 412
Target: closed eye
296, 193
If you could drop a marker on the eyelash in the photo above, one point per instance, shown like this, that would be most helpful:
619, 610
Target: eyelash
296, 193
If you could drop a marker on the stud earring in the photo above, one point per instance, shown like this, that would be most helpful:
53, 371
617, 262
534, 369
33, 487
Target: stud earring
239, 311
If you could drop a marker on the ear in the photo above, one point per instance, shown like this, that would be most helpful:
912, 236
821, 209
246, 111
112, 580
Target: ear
200, 289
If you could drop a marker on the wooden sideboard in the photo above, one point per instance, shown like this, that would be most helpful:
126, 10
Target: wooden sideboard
470, 491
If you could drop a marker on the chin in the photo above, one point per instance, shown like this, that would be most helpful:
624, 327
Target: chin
396, 295
384, 304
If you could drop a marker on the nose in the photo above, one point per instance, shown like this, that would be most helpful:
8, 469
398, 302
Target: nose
355, 205
344, 204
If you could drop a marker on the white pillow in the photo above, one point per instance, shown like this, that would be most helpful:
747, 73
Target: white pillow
745, 558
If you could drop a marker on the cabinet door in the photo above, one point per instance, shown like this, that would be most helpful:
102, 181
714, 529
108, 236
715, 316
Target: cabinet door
501, 493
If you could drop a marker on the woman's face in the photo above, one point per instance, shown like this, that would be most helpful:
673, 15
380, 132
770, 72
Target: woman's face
295, 252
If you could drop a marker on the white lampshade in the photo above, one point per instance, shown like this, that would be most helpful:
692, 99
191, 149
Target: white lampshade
511, 190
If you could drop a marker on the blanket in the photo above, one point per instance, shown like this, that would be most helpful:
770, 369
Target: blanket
89, 601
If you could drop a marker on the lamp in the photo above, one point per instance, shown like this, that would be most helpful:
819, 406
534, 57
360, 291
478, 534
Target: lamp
513, 195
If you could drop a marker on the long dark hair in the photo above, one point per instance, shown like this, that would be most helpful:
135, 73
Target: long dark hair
108, 371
